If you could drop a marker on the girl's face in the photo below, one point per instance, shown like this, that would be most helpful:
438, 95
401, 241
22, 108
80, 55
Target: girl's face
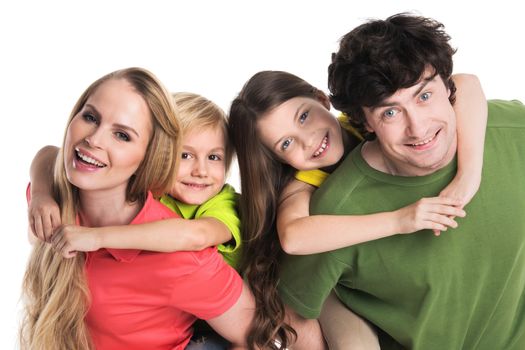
202, 170
303, 133
108, 138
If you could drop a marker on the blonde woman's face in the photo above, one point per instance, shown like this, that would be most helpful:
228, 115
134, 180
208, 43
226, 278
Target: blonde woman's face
303, 133
107, 140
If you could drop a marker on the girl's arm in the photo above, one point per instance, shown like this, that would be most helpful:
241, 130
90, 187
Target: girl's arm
300, 233
43, 211
471, 116
161, 236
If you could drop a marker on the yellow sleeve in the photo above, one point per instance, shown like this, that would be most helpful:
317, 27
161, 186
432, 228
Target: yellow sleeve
312, 177
343, 120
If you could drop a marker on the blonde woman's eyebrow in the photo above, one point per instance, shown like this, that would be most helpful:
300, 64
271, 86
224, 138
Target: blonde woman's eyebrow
118, 125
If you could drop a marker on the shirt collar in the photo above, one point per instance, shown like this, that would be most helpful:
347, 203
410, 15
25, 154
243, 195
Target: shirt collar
128, 255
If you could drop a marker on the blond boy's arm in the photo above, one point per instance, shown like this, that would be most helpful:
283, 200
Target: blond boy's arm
43, 211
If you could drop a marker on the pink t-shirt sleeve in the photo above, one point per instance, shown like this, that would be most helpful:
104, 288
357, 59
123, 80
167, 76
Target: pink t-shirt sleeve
211, 289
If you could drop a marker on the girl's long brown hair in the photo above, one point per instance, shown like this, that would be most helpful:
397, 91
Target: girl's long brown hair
263, 178
55, 291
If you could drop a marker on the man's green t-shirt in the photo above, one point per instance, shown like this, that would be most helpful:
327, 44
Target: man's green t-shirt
462, 290
223, 207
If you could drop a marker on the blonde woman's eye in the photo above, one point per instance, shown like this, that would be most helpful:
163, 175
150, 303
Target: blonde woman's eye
186, 155
302, 117
286, 143
90, 118
425, 96
122, 136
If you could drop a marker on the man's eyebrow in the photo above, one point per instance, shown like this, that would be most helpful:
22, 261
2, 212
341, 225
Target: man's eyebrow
386, 103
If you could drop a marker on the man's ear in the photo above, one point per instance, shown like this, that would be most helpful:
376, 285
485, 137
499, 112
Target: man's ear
366, 125
321, 97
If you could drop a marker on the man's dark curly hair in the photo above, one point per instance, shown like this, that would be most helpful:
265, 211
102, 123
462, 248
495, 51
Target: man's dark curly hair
382, 56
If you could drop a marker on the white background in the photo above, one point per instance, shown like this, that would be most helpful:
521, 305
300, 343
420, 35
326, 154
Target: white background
51, 51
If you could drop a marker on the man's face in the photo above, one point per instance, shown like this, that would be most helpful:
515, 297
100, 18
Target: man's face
415, 128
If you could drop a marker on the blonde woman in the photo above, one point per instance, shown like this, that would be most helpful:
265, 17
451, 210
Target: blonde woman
119, 151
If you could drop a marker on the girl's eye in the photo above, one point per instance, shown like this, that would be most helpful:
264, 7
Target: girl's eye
425, 96
302, 117
186, 155
214, 157
286, 143
389, 113
122, 136
90, 118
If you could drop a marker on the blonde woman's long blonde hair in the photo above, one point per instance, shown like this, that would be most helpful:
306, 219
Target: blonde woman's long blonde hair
55, 291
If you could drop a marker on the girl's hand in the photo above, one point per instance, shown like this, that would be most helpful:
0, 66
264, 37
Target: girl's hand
44, 216
436, 213
70, 239
462, 188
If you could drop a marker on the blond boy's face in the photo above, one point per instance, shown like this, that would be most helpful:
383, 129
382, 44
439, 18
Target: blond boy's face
202, 170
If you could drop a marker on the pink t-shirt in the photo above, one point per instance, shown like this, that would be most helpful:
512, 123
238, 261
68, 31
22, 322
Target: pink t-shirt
147, 300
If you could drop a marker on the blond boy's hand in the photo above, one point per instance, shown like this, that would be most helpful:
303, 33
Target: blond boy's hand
70, 239
44, 216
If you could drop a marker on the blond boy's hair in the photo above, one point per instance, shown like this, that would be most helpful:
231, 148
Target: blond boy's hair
197, 112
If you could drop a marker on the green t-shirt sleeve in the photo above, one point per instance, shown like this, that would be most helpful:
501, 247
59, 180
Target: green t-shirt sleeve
223, 207
306, 280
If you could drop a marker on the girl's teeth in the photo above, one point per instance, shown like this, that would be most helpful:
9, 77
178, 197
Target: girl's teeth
322, 148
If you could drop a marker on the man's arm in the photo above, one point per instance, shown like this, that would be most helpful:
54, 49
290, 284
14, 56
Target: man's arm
309, 335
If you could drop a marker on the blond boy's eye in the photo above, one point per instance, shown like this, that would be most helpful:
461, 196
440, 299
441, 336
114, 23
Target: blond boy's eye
214, 157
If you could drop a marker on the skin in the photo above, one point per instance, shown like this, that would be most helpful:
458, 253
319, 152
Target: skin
202, 171
303, 133
101, 131
415, 128
105, 144
281, 126
202, 163
294, 224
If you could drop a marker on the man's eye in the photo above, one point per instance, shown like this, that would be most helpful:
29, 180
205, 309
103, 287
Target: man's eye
389, 113
425, 96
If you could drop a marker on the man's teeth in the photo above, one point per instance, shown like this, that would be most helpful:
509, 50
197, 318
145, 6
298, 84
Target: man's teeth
90, 160
322, 148
423, 142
